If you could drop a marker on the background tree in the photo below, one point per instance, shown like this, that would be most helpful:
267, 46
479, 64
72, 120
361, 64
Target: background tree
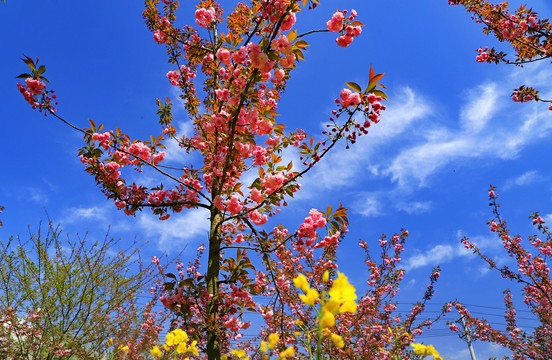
533, 274
63, 298
528, 35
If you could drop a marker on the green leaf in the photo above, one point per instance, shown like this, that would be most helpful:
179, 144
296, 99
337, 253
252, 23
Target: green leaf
356, 87
24, 76
41, 69
370, 88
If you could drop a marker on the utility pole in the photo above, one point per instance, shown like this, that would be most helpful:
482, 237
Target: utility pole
466, 336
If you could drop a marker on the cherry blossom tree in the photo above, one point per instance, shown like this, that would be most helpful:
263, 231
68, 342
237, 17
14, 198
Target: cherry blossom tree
244, 61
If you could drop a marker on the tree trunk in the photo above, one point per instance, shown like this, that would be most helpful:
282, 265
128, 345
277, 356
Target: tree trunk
213, 269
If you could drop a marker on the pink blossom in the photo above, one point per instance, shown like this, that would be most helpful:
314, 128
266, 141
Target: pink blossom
288, 22
288, 61
344, 40
256, 196
239, 239
140, 150
257, 218
272, 141
224, 56
279, 75
353, 31
336, 23
282, 45
263, 127
234, 205
260, 156
35, 86
204, 17
272, 183
159, 36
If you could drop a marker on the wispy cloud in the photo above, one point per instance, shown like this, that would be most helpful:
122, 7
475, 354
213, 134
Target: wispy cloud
76, 215
526, 178
416, 207
489, 126
367, 205
342, 167
172, 234
435, 256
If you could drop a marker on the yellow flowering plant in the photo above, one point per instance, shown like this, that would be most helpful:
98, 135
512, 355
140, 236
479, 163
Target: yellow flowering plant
338, 300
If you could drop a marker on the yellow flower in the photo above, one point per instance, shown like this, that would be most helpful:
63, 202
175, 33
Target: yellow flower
301, 283
156, 352
110, 341
421, 349
193, 348
263, 346
176, 337
181, 348
343, 292
348, 306
272, 340
331, 306
287, 352
326, 276
239, 353
123, 348
337, 340
310, 297
327, 320
224, 357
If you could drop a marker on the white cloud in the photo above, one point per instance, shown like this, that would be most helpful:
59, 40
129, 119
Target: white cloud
526, 178
480, 109
416, 207
37, 195
172, 234
437, 255
368, 205
341, 167
174, 153
489, 128
77, 214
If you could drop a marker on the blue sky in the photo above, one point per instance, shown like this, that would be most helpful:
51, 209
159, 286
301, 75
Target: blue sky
449, 131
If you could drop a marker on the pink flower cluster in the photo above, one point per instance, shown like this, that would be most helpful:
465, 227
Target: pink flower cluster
102, 138
140, 150
204, 17
351, 32
27, 95
234, 205
176, 76
337, 24
312, 222
328, 241
483, 55
257, 218
271, 183
35, 86
521, 97
349, 98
